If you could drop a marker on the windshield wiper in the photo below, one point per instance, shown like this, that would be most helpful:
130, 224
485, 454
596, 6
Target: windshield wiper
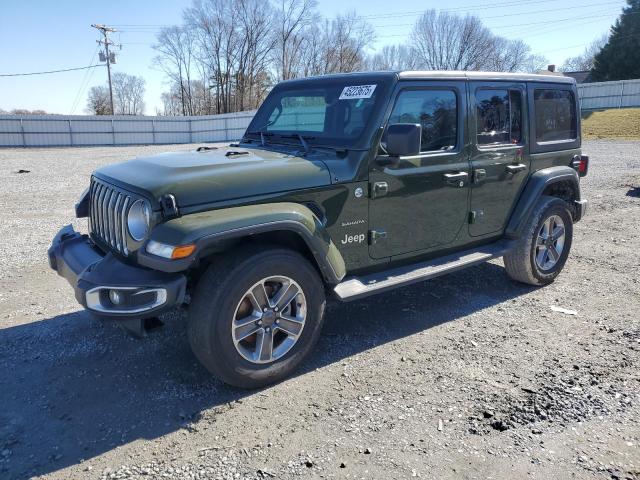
302, 138
262, 134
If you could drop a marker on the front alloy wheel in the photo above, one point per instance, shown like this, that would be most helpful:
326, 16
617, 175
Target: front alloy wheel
255, 315
269, 319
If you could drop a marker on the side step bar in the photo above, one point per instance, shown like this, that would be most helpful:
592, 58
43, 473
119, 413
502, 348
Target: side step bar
353, 288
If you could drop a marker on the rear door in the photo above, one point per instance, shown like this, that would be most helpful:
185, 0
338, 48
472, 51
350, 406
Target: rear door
499, 154
421, 201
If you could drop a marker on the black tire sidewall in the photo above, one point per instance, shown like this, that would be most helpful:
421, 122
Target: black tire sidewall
225, 361
559, 208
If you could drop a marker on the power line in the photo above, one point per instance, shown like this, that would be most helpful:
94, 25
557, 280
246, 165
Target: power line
486, 7
47, 72
528, 24
84, 82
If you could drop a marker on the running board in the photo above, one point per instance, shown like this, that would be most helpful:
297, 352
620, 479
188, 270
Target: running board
353, 288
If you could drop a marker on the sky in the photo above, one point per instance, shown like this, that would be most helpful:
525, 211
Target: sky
40, 35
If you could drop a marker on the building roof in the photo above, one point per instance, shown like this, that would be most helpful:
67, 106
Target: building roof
580, 76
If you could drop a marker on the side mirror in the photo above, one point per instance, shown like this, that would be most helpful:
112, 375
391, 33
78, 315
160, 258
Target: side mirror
404, 139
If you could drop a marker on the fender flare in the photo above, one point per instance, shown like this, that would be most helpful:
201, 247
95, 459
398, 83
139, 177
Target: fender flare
212, 229
532, 192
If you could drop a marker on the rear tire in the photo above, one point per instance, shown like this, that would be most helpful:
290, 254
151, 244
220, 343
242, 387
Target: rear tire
540, 254
242, 326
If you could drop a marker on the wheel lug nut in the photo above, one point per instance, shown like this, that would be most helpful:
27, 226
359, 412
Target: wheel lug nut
277, 322
267, 329
275, 309
259, 322
264, 309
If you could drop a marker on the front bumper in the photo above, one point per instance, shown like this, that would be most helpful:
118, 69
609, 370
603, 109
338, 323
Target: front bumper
142, 292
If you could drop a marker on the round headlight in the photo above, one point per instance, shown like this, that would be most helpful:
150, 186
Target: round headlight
139, 220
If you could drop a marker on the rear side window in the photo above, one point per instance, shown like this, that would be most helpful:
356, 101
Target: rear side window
435, 110
555, 112
499, 116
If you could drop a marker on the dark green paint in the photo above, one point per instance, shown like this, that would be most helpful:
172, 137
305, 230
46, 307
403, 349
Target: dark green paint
314, 195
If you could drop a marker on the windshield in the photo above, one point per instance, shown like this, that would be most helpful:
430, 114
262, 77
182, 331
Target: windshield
333, 112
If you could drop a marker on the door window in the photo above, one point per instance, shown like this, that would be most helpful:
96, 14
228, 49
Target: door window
435, 110
499, 116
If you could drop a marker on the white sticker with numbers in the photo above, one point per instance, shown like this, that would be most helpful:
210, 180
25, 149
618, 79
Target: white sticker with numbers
357, 91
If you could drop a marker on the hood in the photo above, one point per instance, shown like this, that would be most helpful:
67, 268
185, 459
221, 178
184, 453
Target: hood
210, 176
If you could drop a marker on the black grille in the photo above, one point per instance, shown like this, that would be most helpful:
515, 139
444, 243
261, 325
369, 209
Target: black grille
108, 215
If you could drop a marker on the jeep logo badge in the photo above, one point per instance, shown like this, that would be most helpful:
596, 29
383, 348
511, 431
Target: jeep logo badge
353, 239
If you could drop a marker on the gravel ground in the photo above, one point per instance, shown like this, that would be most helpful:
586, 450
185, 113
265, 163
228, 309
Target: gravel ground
466, 376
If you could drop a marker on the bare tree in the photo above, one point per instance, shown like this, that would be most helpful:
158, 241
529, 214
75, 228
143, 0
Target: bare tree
349, 36
233, 42
585, 61
536, 63
508, 56
293, 19
98, 101
392, 57
444, 41
176, 48
128, 94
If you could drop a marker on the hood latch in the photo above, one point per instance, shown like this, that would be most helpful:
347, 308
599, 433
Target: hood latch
169, 207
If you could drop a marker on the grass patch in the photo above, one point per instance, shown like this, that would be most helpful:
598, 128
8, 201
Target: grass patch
614, 123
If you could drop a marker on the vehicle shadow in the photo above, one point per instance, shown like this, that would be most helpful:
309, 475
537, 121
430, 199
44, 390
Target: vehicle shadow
73, 387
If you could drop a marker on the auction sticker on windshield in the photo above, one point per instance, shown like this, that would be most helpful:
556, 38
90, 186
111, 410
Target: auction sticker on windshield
358, 91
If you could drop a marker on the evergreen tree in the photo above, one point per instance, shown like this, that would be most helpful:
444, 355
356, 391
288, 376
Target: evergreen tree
619, 59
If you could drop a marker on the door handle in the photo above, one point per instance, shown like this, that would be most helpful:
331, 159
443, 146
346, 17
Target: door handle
456, 179
516, 168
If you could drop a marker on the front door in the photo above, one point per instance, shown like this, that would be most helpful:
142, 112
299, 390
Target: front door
500, 155
421, 201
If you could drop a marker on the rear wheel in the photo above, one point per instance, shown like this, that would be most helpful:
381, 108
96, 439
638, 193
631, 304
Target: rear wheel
540, 254
256, 316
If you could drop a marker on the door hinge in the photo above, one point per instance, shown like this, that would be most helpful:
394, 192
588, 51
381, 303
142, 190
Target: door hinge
379, 189
479, 174
376, 235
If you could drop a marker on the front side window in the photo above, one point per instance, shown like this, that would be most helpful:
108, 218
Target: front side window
499, 116
435, 110
555, 112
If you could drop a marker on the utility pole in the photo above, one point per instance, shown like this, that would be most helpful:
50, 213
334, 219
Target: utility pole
105, 31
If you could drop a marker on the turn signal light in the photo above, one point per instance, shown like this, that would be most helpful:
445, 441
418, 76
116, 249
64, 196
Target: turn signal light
182, 251
169, 251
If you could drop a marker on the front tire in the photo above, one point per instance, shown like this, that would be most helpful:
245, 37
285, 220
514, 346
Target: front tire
540, 254
256, 315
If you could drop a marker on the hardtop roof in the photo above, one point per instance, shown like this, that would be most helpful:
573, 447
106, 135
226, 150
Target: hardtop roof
442, 74
520, 77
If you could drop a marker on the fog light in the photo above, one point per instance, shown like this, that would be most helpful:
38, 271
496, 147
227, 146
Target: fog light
116, 297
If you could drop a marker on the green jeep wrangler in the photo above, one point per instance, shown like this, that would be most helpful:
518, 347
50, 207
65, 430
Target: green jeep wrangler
348, 185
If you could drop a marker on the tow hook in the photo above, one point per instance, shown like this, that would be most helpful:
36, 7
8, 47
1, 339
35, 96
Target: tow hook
139, 328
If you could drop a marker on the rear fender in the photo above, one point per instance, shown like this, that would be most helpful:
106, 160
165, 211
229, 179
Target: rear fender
536, 185
213, 230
